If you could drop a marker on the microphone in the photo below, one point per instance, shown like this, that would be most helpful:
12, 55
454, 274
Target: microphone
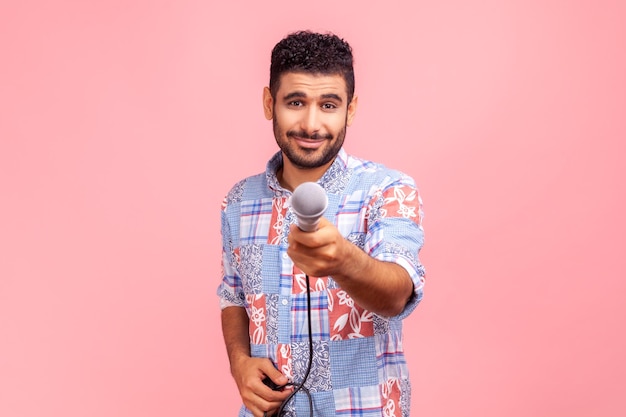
309, 202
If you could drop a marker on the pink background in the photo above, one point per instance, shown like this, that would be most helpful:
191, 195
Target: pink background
124, 123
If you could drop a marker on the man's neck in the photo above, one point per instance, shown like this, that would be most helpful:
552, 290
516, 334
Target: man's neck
290, 176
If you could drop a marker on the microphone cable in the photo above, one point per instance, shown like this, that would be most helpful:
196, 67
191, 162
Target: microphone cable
301, 386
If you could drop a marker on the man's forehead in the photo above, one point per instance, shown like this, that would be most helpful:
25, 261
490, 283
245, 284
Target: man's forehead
312, 84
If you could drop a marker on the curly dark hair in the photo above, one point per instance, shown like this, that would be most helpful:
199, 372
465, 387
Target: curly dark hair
315, 53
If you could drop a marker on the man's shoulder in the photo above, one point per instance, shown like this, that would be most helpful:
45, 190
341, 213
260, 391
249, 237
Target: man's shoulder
251, 180
254, 186
378, 172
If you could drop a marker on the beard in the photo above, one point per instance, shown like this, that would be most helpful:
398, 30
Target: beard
308, 158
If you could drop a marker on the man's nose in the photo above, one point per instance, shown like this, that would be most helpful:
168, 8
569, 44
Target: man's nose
311, 122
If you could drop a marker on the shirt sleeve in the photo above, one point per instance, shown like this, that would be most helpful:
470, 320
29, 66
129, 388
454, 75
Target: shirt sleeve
395, 233
230, 290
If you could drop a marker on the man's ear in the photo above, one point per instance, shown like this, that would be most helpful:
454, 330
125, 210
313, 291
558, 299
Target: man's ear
268, 104
352, 110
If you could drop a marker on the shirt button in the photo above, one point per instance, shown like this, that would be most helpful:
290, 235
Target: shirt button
285, 302
285, 256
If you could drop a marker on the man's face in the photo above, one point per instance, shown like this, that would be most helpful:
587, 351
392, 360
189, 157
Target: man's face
310, 115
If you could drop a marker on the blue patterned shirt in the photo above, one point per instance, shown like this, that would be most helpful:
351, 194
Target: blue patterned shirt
359, 368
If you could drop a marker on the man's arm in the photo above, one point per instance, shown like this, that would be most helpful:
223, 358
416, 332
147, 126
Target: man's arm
381, 287
249, 372
235, 330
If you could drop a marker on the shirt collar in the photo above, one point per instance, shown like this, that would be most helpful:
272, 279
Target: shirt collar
337, 170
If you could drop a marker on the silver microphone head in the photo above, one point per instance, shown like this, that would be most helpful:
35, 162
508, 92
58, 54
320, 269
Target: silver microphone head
309, 202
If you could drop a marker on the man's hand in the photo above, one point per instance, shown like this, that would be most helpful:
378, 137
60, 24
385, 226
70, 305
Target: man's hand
258, 397
318, 253
249, 372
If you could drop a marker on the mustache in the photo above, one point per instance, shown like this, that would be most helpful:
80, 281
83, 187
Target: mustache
306, 135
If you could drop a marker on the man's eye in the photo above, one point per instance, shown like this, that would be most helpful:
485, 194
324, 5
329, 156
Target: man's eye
295, 103
328, 106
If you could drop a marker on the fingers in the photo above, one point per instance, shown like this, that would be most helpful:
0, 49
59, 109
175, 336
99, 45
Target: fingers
318, 253
260, 405
273, 376
257, 396
324, 233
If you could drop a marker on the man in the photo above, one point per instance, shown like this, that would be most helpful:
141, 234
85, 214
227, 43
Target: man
353, 279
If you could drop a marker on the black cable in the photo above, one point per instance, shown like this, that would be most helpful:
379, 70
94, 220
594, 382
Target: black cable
308, 369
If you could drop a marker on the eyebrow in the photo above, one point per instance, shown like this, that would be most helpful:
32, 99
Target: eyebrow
300, 94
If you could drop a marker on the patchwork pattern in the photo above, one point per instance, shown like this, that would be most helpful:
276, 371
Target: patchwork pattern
319, 317
391, 393
277, 222
257, 313
320, 376
359, 401
348, 320
358, 366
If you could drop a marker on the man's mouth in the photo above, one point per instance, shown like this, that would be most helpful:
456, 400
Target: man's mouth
306, 141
